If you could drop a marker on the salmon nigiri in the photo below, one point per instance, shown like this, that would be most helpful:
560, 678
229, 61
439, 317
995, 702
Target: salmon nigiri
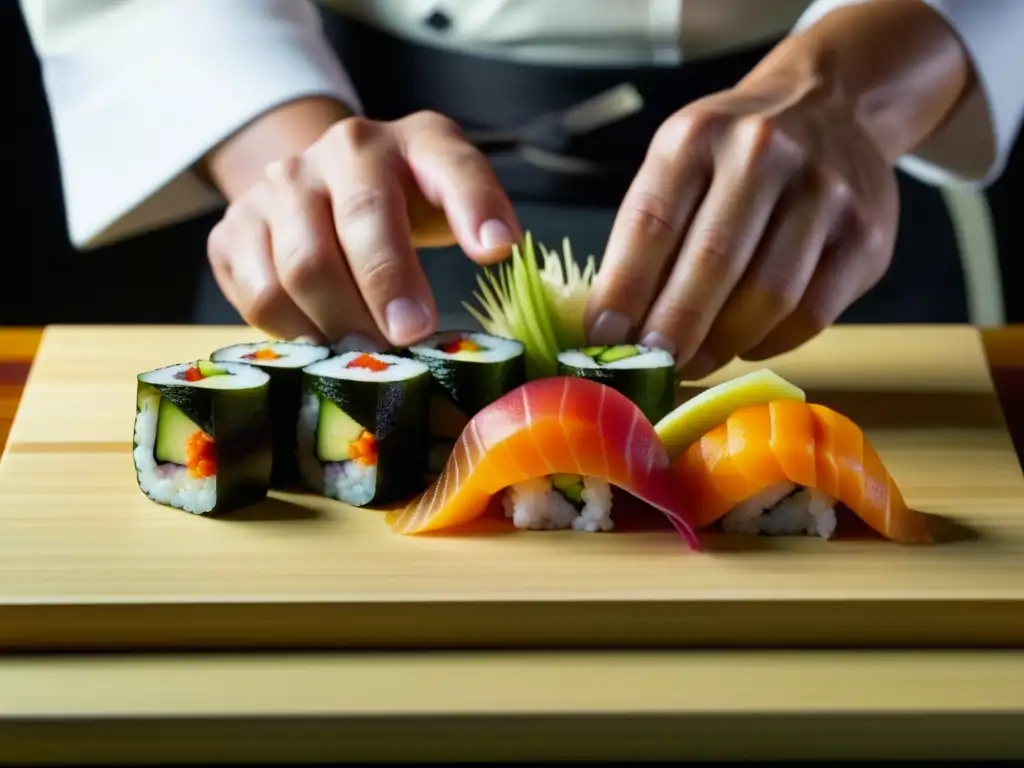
781, 467
554, 446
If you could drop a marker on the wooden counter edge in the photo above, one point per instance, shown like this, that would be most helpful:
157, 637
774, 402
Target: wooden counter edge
511, 706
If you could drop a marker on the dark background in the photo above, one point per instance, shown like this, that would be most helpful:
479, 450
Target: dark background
44, 280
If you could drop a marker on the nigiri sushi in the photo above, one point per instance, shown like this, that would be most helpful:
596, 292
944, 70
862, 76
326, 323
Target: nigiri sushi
553, 447
781, 467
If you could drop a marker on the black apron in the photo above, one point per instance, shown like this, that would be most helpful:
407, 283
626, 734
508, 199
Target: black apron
395, 78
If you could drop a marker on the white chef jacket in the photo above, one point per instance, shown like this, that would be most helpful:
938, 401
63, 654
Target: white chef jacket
139, 90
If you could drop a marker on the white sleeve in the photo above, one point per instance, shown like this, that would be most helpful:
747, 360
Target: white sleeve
139, 90
992, 32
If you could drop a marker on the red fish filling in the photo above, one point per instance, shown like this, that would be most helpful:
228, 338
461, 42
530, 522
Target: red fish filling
201, 453
364, 450
194, 374
368, 362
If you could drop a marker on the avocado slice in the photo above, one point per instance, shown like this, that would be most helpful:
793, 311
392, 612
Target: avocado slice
335, 432
619, 352
571, 486
173, 429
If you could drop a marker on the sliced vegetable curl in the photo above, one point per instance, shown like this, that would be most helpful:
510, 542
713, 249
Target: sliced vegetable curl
543, 306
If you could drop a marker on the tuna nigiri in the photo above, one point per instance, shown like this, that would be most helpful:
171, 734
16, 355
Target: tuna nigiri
554, 447
781, 467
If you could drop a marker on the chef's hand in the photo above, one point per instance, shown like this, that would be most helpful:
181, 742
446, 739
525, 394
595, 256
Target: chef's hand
759, 215
323, 244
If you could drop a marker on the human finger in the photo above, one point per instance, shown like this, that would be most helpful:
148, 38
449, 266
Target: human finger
241, 248
453, 176
363, 172
308, 258
848, 269
719, 244
647, 234
778, 274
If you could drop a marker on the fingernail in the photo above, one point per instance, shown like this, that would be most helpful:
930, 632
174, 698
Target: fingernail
701, 365
407, 321
495, 234
355, 342
610, 328
658, 340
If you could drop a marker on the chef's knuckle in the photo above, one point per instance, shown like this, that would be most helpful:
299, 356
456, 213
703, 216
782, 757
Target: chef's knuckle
261, 308
352, 134
285, 172
302, 264
833, 189
434, 122
219, 240
651, 216
716, 254
357, 205
762, 141
685, 128
380, 274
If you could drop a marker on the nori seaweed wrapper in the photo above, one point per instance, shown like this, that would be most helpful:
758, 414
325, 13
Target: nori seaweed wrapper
285, 399
653, 390
397, 413
238, 420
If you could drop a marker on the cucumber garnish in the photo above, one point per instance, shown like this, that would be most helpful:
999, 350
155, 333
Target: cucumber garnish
542, 308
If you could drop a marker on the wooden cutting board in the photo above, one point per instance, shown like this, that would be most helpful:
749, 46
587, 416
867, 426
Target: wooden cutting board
87, 561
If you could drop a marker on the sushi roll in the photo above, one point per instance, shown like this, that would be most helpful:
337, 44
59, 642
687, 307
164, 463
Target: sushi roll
469, 372
283, 362
202, 436
643, 374
363, 427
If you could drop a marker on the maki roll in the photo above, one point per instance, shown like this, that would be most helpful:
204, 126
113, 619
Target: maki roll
643, 374
469, 371
283, 362
202, 436
362, 429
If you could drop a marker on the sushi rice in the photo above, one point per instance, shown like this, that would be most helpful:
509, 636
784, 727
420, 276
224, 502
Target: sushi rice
347, 481
485, 348
783, 509
539, 504
289, 354
168, 483
350, 481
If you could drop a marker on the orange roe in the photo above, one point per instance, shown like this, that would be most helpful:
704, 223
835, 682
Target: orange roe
460, 345
193, 374
369, 362
262, 354
364, 450
201, 455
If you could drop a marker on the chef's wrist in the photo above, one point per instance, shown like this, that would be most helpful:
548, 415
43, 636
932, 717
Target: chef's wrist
238, 162
894, 66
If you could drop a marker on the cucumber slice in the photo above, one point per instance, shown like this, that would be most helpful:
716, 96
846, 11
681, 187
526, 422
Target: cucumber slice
620, 352
690, 421
207, 368
570, 486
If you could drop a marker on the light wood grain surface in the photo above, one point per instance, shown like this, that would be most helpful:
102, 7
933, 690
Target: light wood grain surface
88, 562
134, 709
